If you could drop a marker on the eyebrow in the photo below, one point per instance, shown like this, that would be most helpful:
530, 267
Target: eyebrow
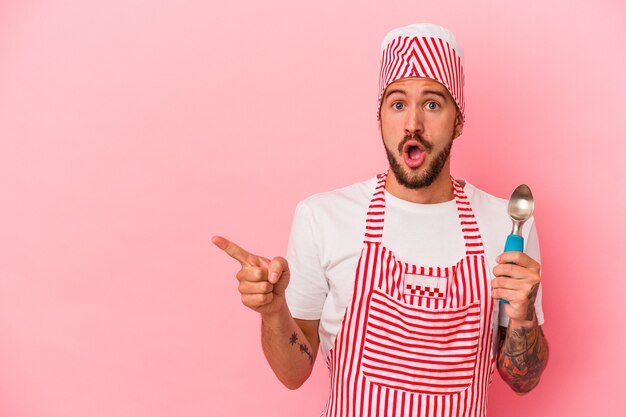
398, 91
437, 93
390, 92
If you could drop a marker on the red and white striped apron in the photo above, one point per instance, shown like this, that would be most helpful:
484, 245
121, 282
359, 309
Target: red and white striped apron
415, 340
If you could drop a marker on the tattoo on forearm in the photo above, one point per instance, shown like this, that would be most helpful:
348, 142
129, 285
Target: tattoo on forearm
303, 348
522, 357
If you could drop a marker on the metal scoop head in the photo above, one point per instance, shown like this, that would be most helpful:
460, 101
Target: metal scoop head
521, 205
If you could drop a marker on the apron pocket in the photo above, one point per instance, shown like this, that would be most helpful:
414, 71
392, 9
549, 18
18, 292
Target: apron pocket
420, 350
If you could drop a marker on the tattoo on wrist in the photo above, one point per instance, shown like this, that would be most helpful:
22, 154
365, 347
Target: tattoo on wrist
532, 296
303, 348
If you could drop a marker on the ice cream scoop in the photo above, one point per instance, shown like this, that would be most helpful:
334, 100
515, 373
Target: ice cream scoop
520, 208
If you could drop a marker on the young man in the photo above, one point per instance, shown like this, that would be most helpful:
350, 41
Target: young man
398, 277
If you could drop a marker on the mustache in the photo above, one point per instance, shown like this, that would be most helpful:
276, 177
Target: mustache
415, 136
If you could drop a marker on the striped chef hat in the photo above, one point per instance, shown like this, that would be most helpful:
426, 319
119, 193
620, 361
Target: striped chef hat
422, 50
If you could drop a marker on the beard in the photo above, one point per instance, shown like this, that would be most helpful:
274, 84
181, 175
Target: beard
413, 181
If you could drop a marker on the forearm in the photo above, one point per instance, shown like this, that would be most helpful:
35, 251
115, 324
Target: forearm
287, 349
523, 355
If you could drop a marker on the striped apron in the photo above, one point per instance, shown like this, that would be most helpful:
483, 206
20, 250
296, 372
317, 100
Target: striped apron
415, 340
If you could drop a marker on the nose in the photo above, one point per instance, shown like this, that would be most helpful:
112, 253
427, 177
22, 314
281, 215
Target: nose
414, 122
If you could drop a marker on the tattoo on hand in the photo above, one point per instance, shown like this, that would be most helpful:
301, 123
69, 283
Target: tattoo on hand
293, 339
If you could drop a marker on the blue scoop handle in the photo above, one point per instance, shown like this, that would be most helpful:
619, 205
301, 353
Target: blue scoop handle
514, 243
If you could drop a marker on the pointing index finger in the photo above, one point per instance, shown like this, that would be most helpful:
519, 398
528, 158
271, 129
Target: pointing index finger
233, 250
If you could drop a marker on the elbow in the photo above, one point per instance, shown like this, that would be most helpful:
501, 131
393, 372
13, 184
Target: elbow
293, 376
521, 385
295, 380
523, 389
293, 384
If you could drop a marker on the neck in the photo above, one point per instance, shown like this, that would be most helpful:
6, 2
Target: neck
439, 191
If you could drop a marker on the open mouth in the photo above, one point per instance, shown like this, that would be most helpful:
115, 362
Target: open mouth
413, 153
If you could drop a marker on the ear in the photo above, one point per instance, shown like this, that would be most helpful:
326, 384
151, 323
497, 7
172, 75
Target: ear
459, 122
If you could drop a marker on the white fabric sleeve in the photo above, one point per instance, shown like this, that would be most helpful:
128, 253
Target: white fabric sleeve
307, 287
531, 248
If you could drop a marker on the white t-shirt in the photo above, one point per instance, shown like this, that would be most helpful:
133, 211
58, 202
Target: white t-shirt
327, 237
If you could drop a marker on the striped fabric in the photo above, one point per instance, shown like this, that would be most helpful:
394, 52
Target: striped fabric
469, 227
423, 50
398, 354
424, 351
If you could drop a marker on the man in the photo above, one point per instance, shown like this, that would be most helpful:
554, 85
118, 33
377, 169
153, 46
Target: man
398, 277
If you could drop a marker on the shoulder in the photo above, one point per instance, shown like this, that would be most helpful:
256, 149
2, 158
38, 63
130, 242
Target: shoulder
485, 201
338, 202
335, 221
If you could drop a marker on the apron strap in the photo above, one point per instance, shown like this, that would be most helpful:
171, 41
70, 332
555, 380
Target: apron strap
376, 213
469, 227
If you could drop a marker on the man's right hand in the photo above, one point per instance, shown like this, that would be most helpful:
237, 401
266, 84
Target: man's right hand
262, 282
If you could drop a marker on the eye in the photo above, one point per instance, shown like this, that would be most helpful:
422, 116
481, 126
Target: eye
398, 105
432, 105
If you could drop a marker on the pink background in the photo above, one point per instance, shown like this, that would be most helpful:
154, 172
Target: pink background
131, 131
